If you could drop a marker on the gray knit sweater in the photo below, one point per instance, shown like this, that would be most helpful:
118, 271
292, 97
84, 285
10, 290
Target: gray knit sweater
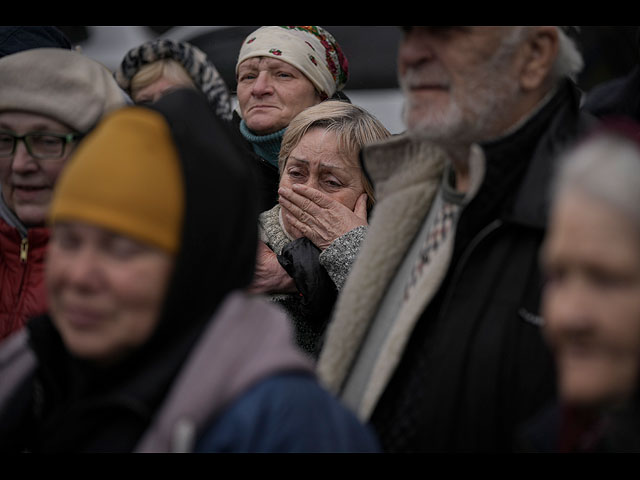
337, 260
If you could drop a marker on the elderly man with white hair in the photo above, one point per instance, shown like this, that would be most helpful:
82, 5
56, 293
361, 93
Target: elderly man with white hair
435, 339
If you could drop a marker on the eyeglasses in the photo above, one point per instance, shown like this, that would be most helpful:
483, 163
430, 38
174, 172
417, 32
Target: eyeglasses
40, 145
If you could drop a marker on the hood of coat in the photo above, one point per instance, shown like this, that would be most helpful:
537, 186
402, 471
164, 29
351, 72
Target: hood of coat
215, 256
220, 224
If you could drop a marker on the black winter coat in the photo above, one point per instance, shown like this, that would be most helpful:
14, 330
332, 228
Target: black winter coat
476, 365
266, 174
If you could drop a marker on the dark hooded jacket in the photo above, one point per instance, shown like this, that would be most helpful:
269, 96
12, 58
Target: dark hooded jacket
214, 357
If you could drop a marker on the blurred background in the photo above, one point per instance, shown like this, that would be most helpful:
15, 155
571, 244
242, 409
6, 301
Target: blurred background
609, 52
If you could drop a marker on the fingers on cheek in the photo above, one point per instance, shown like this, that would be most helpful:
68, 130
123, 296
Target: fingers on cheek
292, 208
286, 196
304, 217
296, 223
284, 202
292, 219
286, 211
296, 214
311, 194
294, 198
308, 206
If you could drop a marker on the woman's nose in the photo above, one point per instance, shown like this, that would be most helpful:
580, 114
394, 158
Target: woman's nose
415, 49
22, 161
83, 270
567, 309
262, 85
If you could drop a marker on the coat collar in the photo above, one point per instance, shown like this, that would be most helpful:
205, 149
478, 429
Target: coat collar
524, 161
401, 162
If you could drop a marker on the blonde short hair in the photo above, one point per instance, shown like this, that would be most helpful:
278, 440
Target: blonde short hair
151, 72
353, 125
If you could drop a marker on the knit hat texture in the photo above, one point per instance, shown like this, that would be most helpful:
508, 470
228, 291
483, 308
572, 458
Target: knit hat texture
126, 177
15, 39
310, 49
62, 84
203, 73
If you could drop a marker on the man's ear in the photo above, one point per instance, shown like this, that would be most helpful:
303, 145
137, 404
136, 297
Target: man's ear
541, 50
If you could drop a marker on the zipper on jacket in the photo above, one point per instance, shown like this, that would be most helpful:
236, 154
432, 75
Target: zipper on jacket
24, 249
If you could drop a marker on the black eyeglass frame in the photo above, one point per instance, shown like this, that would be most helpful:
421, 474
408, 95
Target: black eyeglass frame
26, 138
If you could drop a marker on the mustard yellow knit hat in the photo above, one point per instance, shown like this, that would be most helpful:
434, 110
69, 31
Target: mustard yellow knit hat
126, 176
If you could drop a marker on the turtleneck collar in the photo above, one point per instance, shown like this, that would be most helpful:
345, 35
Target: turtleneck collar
536, 145
267, 146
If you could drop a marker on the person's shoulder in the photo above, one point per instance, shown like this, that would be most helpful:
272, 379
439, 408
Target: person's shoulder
5, 227
540, 433
288, 412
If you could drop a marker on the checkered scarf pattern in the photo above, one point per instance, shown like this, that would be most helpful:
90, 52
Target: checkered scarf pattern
441, 228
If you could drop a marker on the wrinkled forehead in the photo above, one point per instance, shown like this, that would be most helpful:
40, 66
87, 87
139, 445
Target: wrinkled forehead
326, 147
264, 63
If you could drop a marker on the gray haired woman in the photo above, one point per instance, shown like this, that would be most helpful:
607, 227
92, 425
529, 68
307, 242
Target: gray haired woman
310, 239
591, 302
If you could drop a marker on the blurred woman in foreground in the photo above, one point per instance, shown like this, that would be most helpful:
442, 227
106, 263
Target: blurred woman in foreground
151, 344
591, 304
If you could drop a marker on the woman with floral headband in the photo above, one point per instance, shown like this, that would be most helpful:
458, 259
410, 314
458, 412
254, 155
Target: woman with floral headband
281, 70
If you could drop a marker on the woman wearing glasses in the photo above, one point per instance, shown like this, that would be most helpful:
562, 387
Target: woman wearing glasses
49, 99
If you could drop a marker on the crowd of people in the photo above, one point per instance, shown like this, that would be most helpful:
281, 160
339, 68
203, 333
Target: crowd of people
180, 272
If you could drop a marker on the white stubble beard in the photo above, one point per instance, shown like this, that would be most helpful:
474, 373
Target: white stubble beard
474, 112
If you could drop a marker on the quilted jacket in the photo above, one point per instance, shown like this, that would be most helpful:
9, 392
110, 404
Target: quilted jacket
22, 293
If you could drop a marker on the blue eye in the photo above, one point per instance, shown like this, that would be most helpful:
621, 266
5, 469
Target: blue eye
246, 77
